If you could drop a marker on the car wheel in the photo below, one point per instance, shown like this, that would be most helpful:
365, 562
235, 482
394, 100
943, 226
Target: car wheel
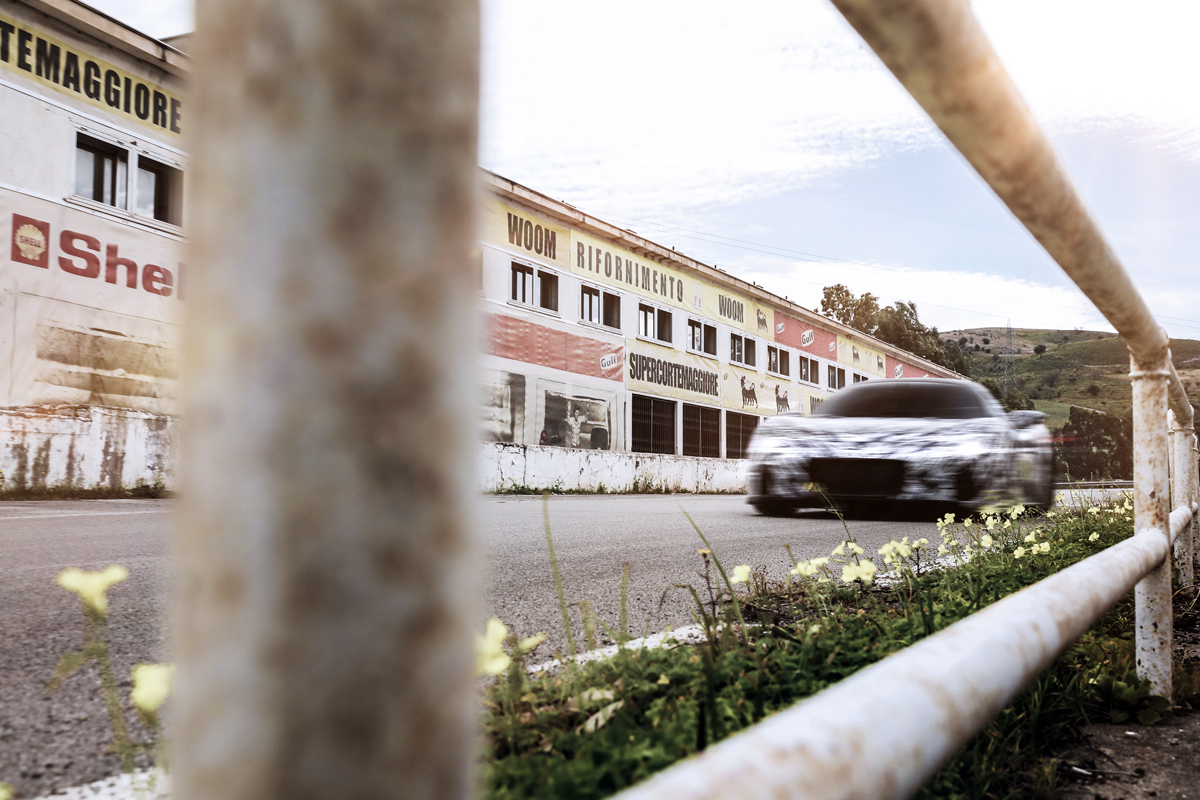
1043, 492
773, 508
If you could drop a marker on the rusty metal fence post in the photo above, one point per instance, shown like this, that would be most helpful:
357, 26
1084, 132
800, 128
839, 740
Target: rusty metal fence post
1151, 493
325, 569
1182, 495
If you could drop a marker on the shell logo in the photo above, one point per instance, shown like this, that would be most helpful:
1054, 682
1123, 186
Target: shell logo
30, 240
610, 365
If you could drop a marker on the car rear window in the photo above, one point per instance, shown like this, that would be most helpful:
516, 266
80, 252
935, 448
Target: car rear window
927, 401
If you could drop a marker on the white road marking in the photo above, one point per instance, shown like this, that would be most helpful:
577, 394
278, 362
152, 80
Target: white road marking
87, 514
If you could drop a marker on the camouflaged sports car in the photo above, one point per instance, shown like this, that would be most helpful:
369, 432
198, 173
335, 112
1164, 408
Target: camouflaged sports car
901, 440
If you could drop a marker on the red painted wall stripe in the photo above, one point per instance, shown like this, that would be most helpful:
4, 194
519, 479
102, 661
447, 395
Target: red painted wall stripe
537, 344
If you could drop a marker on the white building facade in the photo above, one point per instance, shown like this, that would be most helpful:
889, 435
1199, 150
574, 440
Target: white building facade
92, 277
611, 361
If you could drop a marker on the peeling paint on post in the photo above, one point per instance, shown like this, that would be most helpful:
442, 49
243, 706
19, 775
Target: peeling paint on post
1181, 494
325, 572
1151, 491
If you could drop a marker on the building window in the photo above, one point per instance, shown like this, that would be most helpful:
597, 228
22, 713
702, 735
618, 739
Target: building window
802, 369
547, 290
522, 284
612, 310
664, 326
701, 337
837, 377
701, 431
738, 429
741, 350
646, 321
101, 171
860, 378
814, 371
778, 361
589, 304
159, 191
653, 429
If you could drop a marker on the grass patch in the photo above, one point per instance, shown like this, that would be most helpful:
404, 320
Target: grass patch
592, 731
141, 490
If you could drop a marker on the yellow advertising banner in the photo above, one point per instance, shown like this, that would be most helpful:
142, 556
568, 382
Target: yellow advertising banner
516, 228
855, 354
738, 311
31, 54
667, 372
600, 261
749, 392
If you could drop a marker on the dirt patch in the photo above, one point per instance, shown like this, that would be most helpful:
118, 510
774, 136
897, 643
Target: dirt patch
1134, 761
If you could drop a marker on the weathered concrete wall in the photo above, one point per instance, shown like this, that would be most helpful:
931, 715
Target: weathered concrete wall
508, 465
85, 446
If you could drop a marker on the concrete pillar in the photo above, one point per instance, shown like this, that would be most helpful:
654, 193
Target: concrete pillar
1151, 491
325, 555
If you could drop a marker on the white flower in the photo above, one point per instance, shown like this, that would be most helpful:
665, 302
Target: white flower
741, 574
490, 658
92, 586
1093, 537
151, 685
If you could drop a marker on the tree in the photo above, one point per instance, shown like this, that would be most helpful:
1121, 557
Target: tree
1039, 349
1095, 446
897, 324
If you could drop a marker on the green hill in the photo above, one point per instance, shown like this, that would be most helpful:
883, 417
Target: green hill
1078, 368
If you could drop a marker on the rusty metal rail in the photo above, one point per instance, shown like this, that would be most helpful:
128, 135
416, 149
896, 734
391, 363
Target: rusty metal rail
887, 729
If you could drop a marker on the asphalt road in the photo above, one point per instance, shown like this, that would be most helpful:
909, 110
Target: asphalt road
53, 740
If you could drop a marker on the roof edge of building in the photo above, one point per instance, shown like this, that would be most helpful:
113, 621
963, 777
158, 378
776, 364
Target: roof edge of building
113, 32
565, 212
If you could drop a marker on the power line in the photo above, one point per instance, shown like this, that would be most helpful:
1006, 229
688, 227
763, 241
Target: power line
773, 250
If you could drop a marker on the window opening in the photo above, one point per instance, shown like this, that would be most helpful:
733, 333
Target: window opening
101, 171
738, 430
701, 431
653, 428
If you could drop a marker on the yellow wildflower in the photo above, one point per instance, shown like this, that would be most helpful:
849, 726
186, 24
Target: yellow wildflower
864, 571
663, 680
966, 523
490, 658
1020, 551
840, 550
1045, 547
923, 542
1093, 510
942, 550
1093, 537
1032, 537
91, 586
813, 630
1017, 511
151, 685
741, 574
854, 548
531, 643
704, 551
985, 540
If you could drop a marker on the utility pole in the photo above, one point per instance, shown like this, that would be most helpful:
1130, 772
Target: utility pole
1009, 367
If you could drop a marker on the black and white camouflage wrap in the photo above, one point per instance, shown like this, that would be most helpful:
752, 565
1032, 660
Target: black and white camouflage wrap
1006, 457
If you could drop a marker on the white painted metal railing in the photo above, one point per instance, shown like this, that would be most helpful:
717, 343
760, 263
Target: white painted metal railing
887, 729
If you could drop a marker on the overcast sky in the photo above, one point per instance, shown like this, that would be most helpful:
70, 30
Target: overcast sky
766, 138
